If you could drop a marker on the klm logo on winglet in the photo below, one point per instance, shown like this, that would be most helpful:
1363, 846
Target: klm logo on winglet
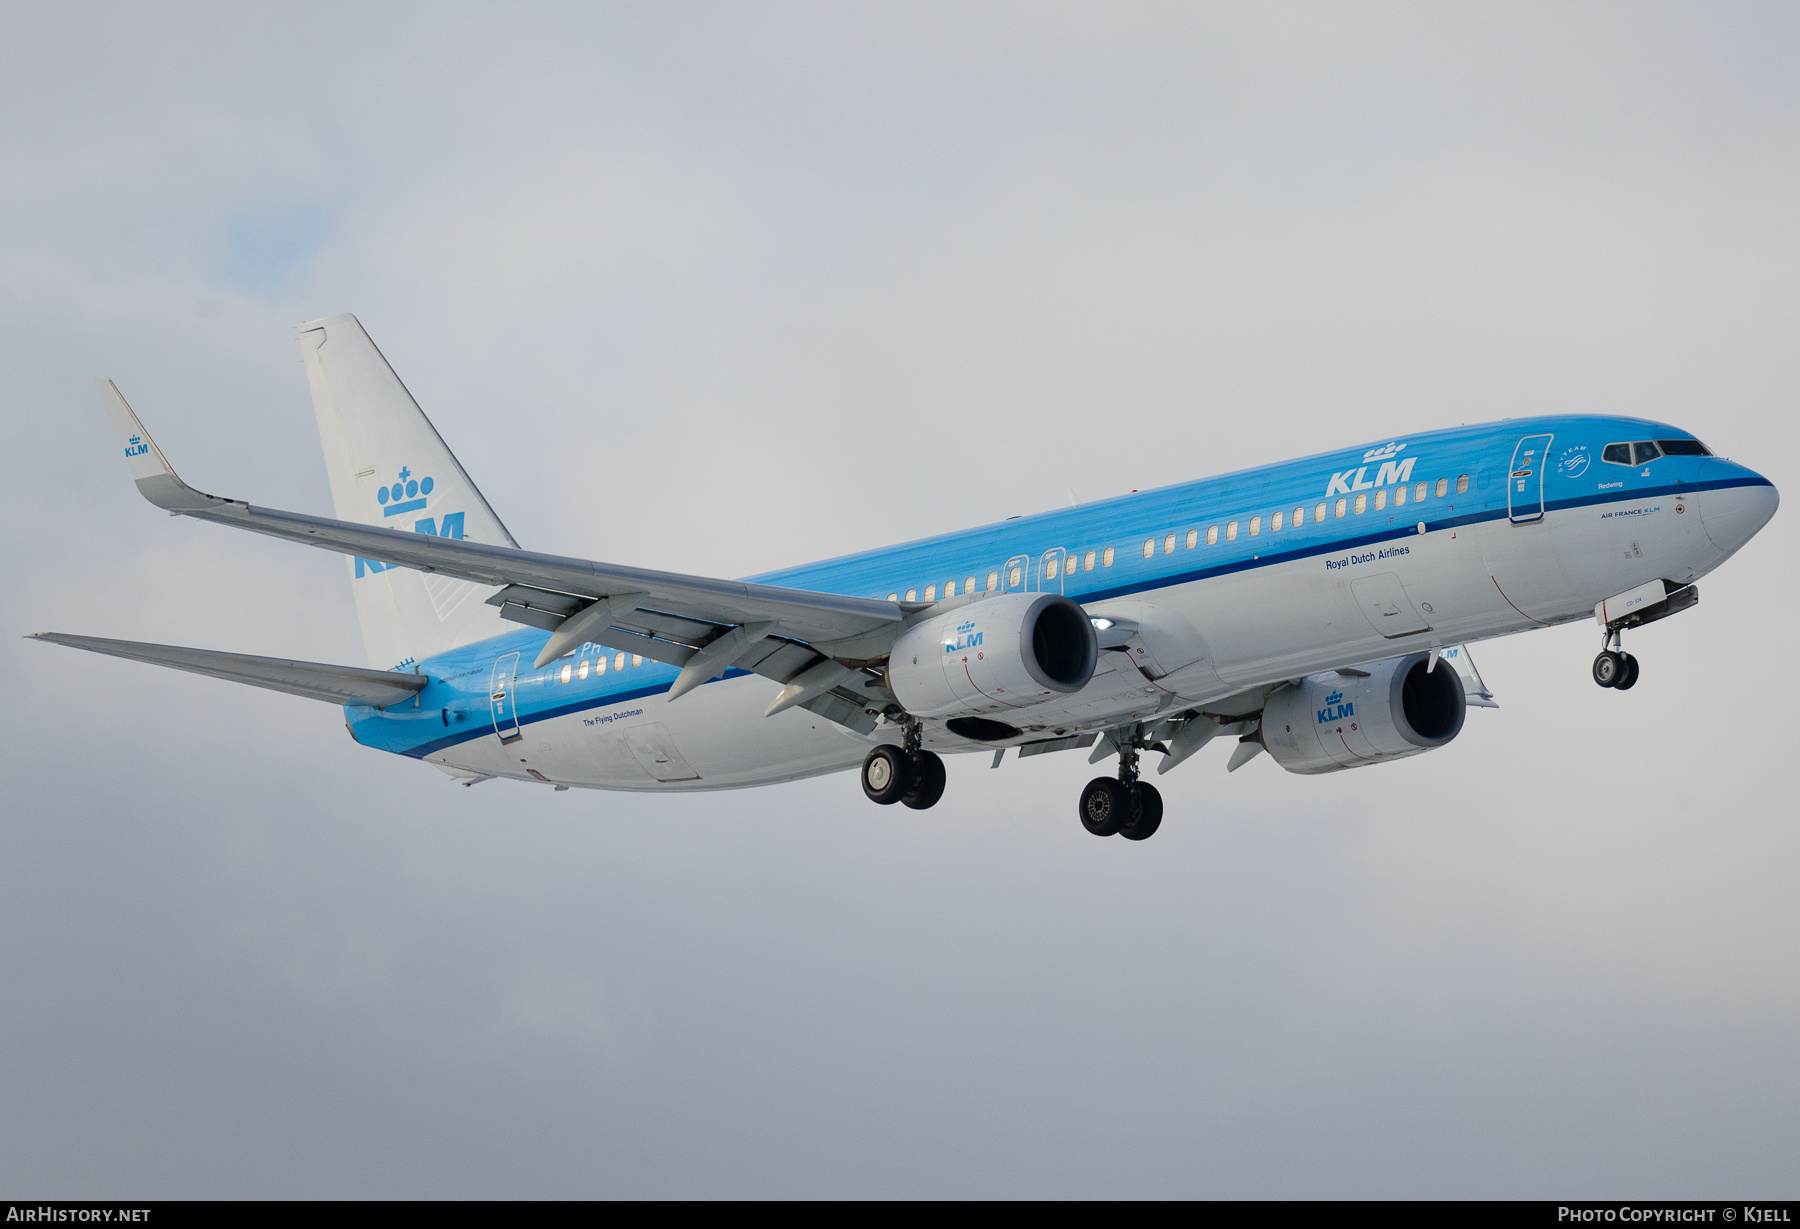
966, 638
408, 494
1392, 472
1335, 709
137, 447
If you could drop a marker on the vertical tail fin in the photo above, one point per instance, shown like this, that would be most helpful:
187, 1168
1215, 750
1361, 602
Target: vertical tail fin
388, 466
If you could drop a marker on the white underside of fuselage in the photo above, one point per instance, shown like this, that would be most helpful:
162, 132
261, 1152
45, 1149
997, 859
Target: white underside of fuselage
1214, 644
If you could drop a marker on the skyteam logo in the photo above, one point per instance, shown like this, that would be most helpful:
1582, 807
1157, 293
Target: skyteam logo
1335, 709
966, 638
137, 447
1391, 471
409, 494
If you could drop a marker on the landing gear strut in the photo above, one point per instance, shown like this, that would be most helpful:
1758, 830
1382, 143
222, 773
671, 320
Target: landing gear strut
1126, 806
907, 773
1614, 667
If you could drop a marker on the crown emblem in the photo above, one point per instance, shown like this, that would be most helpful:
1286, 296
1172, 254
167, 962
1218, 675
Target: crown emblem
1382, 454
1334, 697
405, 495
137, 447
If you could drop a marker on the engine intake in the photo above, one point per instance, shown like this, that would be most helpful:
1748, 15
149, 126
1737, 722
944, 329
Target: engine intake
1329, 722
994, 655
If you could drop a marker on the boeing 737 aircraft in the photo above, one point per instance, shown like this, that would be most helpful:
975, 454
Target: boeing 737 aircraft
1318, 610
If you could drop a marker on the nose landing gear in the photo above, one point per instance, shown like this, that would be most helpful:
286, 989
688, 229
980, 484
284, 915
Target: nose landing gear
1127, 806
1614, 667
907, 773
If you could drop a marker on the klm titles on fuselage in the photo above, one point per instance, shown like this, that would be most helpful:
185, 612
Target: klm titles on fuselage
408, 494
966, 638
1393, 472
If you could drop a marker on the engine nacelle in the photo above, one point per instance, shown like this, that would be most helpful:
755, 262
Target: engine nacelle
1333, 721
993, 656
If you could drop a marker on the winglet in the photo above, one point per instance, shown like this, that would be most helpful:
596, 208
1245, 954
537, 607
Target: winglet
154, 476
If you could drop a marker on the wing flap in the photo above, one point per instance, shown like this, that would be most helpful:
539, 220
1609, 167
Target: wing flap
314, 680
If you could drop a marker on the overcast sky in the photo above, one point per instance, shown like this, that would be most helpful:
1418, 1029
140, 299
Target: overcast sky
720, 288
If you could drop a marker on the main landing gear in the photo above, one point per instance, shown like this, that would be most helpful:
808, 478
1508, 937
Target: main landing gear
1614, 667
1127, 806
907, 773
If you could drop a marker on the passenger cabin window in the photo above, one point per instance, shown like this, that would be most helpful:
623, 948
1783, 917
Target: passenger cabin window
1069, 566
1647, 451
1400, 497
1193, 538
1212, 535
1169, 545
969, 585
1275, 522
1149, 547
581, 670
1319, 514
1049, 569
1299, 517
1684, 448
1462, 483
1087, 562
599, 667
1231, 532
931, 593
568, 672
1341, 505
1380, 500
1017, 578
619, 662
1443, 487
1255, 525
1362, 504
1419, 493
912, 595
1107, 558
993, 581
893, 597
637, 659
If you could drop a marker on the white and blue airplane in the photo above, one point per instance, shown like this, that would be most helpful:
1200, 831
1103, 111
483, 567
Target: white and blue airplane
1318, 610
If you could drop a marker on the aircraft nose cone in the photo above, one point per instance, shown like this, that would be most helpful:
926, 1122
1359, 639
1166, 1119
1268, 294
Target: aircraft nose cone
1732, 515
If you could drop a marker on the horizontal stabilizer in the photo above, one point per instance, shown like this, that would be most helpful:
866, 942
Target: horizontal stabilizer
333, 684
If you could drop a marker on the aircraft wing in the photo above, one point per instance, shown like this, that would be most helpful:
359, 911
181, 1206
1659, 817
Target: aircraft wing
703, 624
333, 684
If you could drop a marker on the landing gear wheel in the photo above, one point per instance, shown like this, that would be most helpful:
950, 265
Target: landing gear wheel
1631, 673
887, 774
1146, 814
928, 781
1105, 806
1609, 668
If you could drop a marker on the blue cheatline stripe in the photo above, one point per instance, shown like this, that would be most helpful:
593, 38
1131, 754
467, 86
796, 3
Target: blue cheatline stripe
1397, 533
486, 726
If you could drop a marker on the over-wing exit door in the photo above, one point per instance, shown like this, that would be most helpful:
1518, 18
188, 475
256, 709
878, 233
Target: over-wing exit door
1525, 479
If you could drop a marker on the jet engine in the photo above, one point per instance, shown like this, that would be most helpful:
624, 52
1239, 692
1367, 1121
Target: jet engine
992, 656
1348, 719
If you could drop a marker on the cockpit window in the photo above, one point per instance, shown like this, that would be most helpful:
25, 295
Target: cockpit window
1616, 454
1684, 448
1647, 451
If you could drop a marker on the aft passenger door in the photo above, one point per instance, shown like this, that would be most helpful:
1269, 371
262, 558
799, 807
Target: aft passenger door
500, 698
1525, 480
